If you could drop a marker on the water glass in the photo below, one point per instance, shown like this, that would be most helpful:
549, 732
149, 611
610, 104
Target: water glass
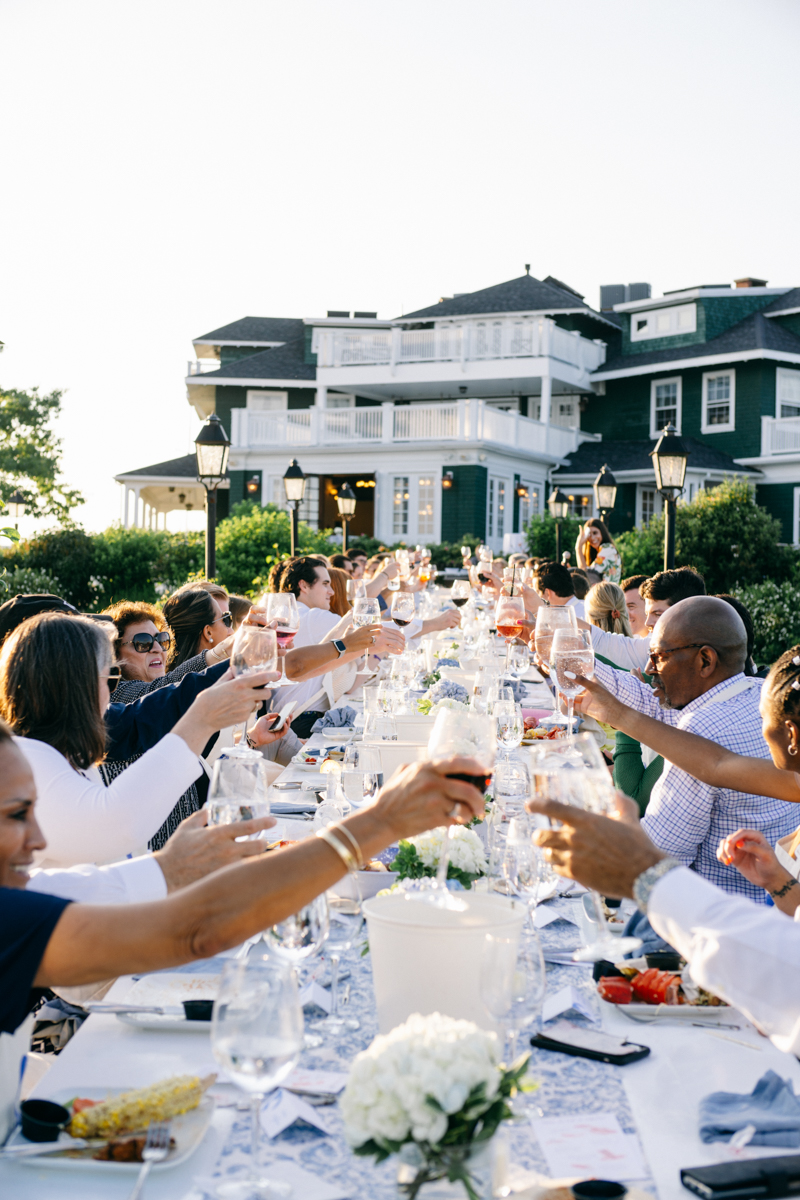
548, 620
239, 789
254, 649
257, 1036
519, 660
346, 920
571, 655
301, 935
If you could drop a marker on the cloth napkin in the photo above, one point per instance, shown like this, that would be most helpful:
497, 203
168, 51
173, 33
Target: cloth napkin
772, 1107
447, 662
336, 718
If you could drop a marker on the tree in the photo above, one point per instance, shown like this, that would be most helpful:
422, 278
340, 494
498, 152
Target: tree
541, 537
252, 538
729, 539
30, 454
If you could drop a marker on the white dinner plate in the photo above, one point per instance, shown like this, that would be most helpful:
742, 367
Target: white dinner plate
674, 1012
188, 1131
167, 988
163, 1021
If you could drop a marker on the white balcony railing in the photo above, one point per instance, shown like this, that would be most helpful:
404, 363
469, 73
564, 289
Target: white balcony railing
780, 435
466, 341
201, 366
390, 424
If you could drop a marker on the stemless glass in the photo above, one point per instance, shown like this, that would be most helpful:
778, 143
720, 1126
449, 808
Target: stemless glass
238, 790
257, 1036
254, 649
366, 612
403, 608
548, 620
571, 655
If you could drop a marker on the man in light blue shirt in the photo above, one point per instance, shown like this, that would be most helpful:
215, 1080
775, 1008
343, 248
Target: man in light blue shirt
697, 655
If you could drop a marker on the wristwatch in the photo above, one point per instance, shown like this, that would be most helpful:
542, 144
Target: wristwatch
340, 646
644, 883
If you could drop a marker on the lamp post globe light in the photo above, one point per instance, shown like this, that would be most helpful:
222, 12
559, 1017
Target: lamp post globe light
605, 491
294, 485
16, 505
558, 504
669, 463
212, 446
346, 503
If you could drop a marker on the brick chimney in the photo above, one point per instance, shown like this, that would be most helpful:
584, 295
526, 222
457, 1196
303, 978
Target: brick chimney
750, 281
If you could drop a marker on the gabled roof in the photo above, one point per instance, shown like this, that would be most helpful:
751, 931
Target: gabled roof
753, 333
789, 300
186, 466
525, 294
635, 456
254, 329
282, 362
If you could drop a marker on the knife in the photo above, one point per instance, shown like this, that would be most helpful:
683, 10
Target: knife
163, 1010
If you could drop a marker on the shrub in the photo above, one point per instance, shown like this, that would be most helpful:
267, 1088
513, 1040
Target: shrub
775, 609
24, 582
541, 536
252, 538
65, 554
731, 540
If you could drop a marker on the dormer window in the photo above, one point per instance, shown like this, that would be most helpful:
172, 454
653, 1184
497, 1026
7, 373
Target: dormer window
663, 322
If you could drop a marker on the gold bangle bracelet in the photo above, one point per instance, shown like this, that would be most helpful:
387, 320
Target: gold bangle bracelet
343, 851
359, 856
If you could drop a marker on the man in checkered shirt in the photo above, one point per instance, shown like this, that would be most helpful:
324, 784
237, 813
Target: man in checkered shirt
697, 657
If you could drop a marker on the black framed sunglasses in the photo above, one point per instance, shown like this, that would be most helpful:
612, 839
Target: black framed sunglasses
114, 677
226, 618
143, 642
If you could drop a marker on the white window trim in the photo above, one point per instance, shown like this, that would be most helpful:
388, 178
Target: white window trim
281, 400
781, 372
651, 315
655, 432
659, 504
731, 424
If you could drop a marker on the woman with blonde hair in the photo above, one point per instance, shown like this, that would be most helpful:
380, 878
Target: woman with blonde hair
605, 607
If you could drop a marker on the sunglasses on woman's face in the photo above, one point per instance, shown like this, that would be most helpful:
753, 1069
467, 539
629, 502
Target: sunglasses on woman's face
143, 642
226, 618
114, 677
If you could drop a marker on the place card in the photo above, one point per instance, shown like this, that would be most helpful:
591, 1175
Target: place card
567, 999
331, 1082
281, 1109
313, 993
546, 915
592, 1145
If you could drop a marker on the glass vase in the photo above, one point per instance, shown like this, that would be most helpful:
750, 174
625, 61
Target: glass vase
423, 1175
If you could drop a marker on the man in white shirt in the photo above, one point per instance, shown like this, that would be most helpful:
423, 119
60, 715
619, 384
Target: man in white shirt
744, 953
553, 583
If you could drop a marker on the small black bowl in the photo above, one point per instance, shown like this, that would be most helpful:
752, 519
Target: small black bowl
42, 1120
664, 960
599, 1189
198, 1010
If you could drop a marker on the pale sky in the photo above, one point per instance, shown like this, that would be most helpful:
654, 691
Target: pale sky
171, 165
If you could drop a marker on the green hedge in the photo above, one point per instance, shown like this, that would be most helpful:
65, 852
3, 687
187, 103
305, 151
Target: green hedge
775, 609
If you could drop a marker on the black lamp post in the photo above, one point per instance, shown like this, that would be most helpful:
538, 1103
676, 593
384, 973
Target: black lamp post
669, 464
346, 503
294, 485
559, 511
211, 446
605, 491
16, 504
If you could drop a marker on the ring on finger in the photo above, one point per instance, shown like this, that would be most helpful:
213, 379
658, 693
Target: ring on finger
454, 811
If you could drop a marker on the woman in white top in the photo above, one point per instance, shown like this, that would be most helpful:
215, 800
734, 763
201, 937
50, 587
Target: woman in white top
54, 688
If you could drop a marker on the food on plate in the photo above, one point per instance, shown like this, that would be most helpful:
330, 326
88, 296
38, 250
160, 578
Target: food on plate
131, 1111
375, 864
654, 987
279, 845
125, 1149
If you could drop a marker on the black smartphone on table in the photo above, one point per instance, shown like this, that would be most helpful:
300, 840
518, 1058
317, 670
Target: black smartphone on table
583, 1042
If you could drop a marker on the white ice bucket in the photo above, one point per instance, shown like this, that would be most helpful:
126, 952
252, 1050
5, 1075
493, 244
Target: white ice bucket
427, 959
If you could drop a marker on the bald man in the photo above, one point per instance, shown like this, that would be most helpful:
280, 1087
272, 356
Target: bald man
697, 657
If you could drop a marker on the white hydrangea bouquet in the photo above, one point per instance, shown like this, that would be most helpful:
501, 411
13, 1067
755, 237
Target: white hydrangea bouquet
419, 856
433, 1085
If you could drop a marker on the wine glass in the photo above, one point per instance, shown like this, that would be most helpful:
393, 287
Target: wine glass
582, 780
301, 935
257, 1036
466, 733
403, 608
510, 726
528, 987
571, 655
282, 608
254, 649
366, 612
460, 592
519, 660
346, 919
548, 620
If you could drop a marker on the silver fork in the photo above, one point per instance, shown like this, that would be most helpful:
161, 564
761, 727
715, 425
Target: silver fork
156, 1149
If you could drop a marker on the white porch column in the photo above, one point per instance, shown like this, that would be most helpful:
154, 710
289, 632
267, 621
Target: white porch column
321, 397
544, 412
126, 504
387, 426
136, 508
